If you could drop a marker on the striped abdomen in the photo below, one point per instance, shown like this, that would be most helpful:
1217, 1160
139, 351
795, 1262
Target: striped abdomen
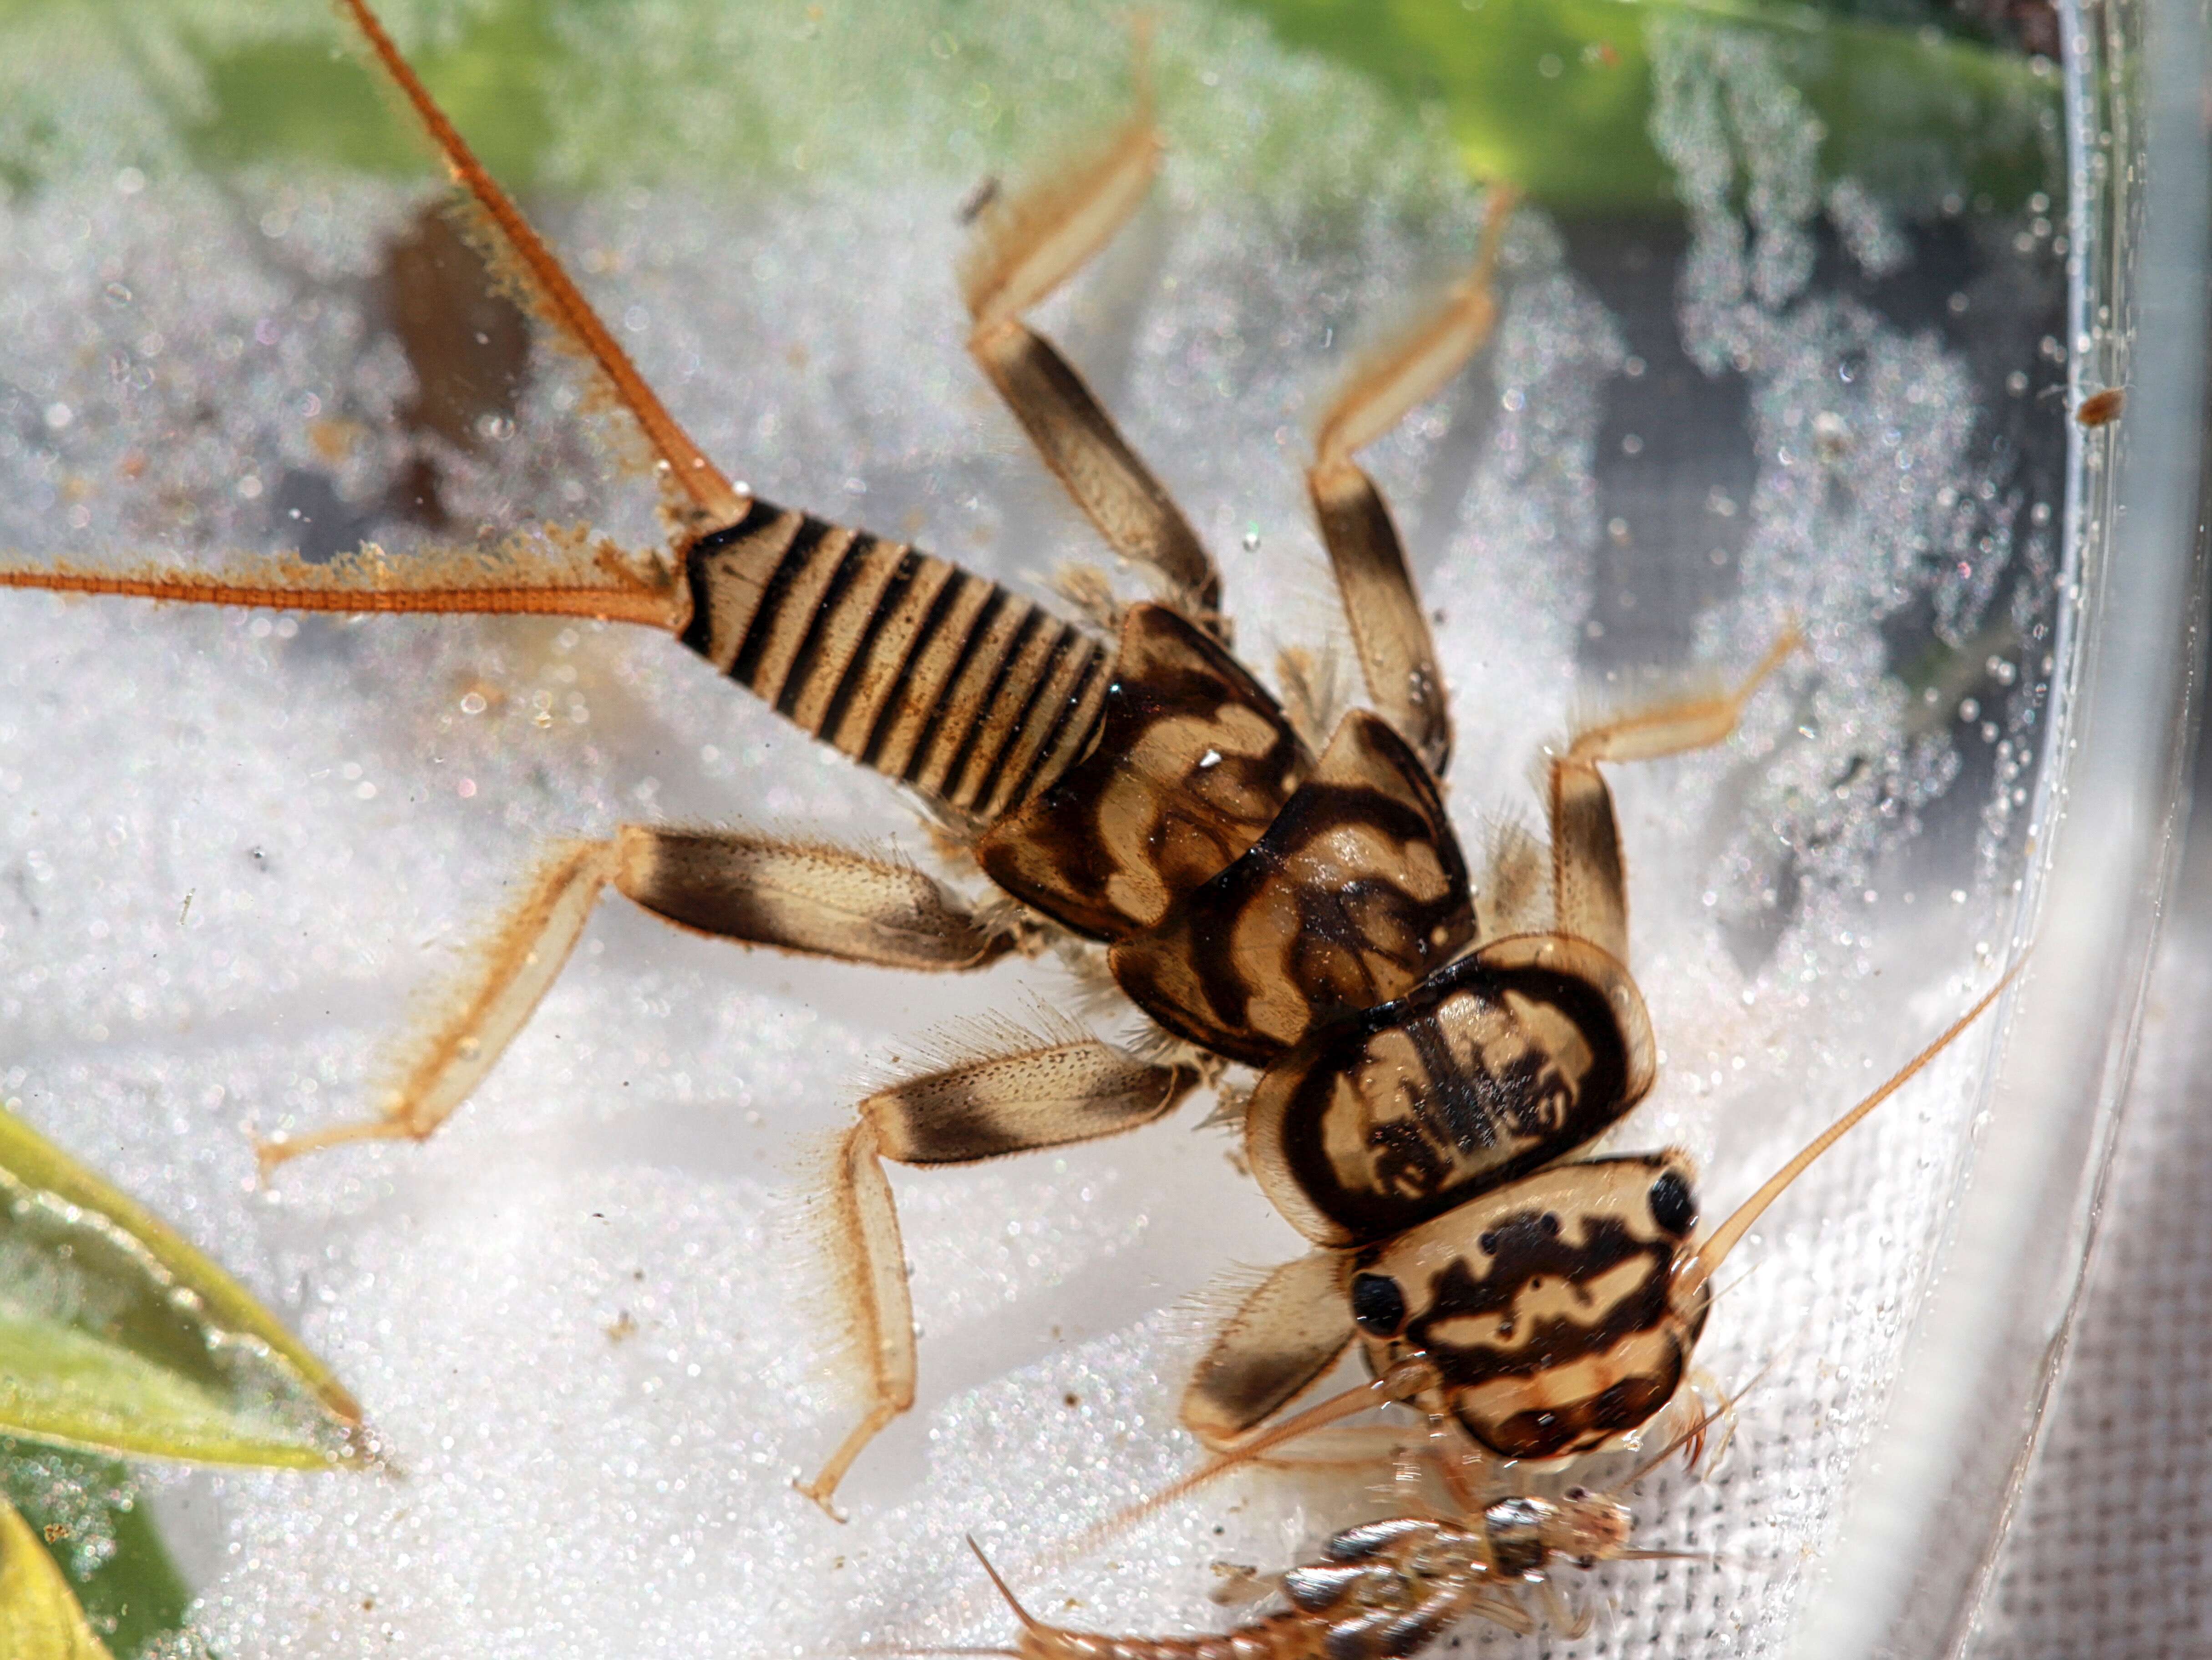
910, 664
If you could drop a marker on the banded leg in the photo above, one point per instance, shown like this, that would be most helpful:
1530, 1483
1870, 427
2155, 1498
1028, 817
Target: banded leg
1397, 654
1286, 1335
1026, 247
1018, 1100
1589, 878
820, 900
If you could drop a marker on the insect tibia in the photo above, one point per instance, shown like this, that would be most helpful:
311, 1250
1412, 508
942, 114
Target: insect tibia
927, 673
857, 1230
466, 1026
1411, 369
1029, 242
1026, 245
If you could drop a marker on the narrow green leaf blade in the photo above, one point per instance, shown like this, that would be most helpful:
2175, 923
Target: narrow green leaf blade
116, 1334
39, 1164
61, 1386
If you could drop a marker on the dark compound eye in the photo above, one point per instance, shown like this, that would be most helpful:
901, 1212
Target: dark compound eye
1672, 1207
1378, 1307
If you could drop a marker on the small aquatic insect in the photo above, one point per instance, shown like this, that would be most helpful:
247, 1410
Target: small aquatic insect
1386, 1589
1270, 890
2101, 408
1388, 1604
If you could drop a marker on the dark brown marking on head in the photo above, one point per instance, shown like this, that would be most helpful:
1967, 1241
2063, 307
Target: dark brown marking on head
1357, 891
1543, 1310
1492, 1068
1192, 760
1577, 1426
1530, 1251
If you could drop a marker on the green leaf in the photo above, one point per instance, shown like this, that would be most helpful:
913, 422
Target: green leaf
87, 1513
116, 1334
1554, 96
59, 1384
39, 1619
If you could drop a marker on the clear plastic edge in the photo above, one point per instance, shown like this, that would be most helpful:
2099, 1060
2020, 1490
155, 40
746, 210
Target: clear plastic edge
1933, 1492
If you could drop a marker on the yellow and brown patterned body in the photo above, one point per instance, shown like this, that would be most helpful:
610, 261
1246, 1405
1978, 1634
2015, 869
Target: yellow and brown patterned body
1311, 918
1161, 803
1422, 1077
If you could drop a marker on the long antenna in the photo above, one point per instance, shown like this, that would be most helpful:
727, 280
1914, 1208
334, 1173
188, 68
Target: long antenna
686, 463
1693, 1276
